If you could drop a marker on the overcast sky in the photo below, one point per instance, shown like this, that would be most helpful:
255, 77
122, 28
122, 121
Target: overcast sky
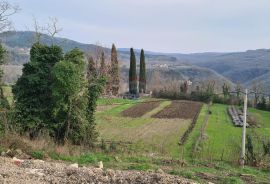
183, 26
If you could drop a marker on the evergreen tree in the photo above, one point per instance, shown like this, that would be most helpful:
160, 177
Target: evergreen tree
132, 73
3, 100
2, 60
33, 93
95, 85
69, 97
142, 80
226, 90
91, 68
103, 71
95, 89
114, 71
262, 105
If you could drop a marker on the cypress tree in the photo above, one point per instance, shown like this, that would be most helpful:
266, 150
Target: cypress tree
102, 65
142, 80
132, 73
115, 81
91, 68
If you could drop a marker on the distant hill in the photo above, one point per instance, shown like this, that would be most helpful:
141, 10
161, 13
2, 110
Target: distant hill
244, 67
19, 43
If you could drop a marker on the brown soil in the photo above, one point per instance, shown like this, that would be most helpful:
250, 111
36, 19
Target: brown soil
140, 109
179, 109
39, 172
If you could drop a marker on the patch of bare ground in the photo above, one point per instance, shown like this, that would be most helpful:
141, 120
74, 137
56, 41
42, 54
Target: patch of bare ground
140, 109
40, 172
179, 109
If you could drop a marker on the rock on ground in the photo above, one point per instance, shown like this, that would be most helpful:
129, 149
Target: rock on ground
39, 172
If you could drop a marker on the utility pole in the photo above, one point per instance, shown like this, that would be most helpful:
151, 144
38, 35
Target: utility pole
242, 161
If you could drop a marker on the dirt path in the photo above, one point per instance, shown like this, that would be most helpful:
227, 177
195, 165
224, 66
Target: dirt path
39, 172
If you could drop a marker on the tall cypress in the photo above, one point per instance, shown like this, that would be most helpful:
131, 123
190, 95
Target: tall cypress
115, 81
102, 65
91, 68
142, 80
132, 73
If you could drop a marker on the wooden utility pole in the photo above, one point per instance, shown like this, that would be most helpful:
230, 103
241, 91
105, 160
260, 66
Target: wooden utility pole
242, 161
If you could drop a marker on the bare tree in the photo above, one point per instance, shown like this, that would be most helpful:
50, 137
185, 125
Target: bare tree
52, 28
38, 30
6, 10
257, 88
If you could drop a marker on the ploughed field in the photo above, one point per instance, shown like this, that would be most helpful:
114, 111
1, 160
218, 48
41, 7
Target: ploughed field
140, 109
147, 127
180, 109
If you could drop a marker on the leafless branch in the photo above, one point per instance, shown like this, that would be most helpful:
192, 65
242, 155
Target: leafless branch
38, 30
7, 10
52, 27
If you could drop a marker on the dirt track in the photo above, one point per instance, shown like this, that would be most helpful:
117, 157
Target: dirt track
140, 109
179, 109
39, 172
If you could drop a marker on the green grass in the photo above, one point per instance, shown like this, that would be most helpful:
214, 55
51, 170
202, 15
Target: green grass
148, 135
223, 140
187, 148
263, 118
7, 90
37, 154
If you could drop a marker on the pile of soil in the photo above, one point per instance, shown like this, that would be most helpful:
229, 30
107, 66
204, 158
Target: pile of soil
40, 172
179, 109
140, 109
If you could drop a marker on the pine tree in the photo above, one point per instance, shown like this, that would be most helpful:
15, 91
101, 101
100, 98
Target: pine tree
114, 71
132, 73
142, 80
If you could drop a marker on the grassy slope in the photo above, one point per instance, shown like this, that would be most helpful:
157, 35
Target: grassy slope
222, 172
187, 148
263, 118
149, 135
223, 139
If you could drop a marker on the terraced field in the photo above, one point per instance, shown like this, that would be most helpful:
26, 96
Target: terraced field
136, 123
